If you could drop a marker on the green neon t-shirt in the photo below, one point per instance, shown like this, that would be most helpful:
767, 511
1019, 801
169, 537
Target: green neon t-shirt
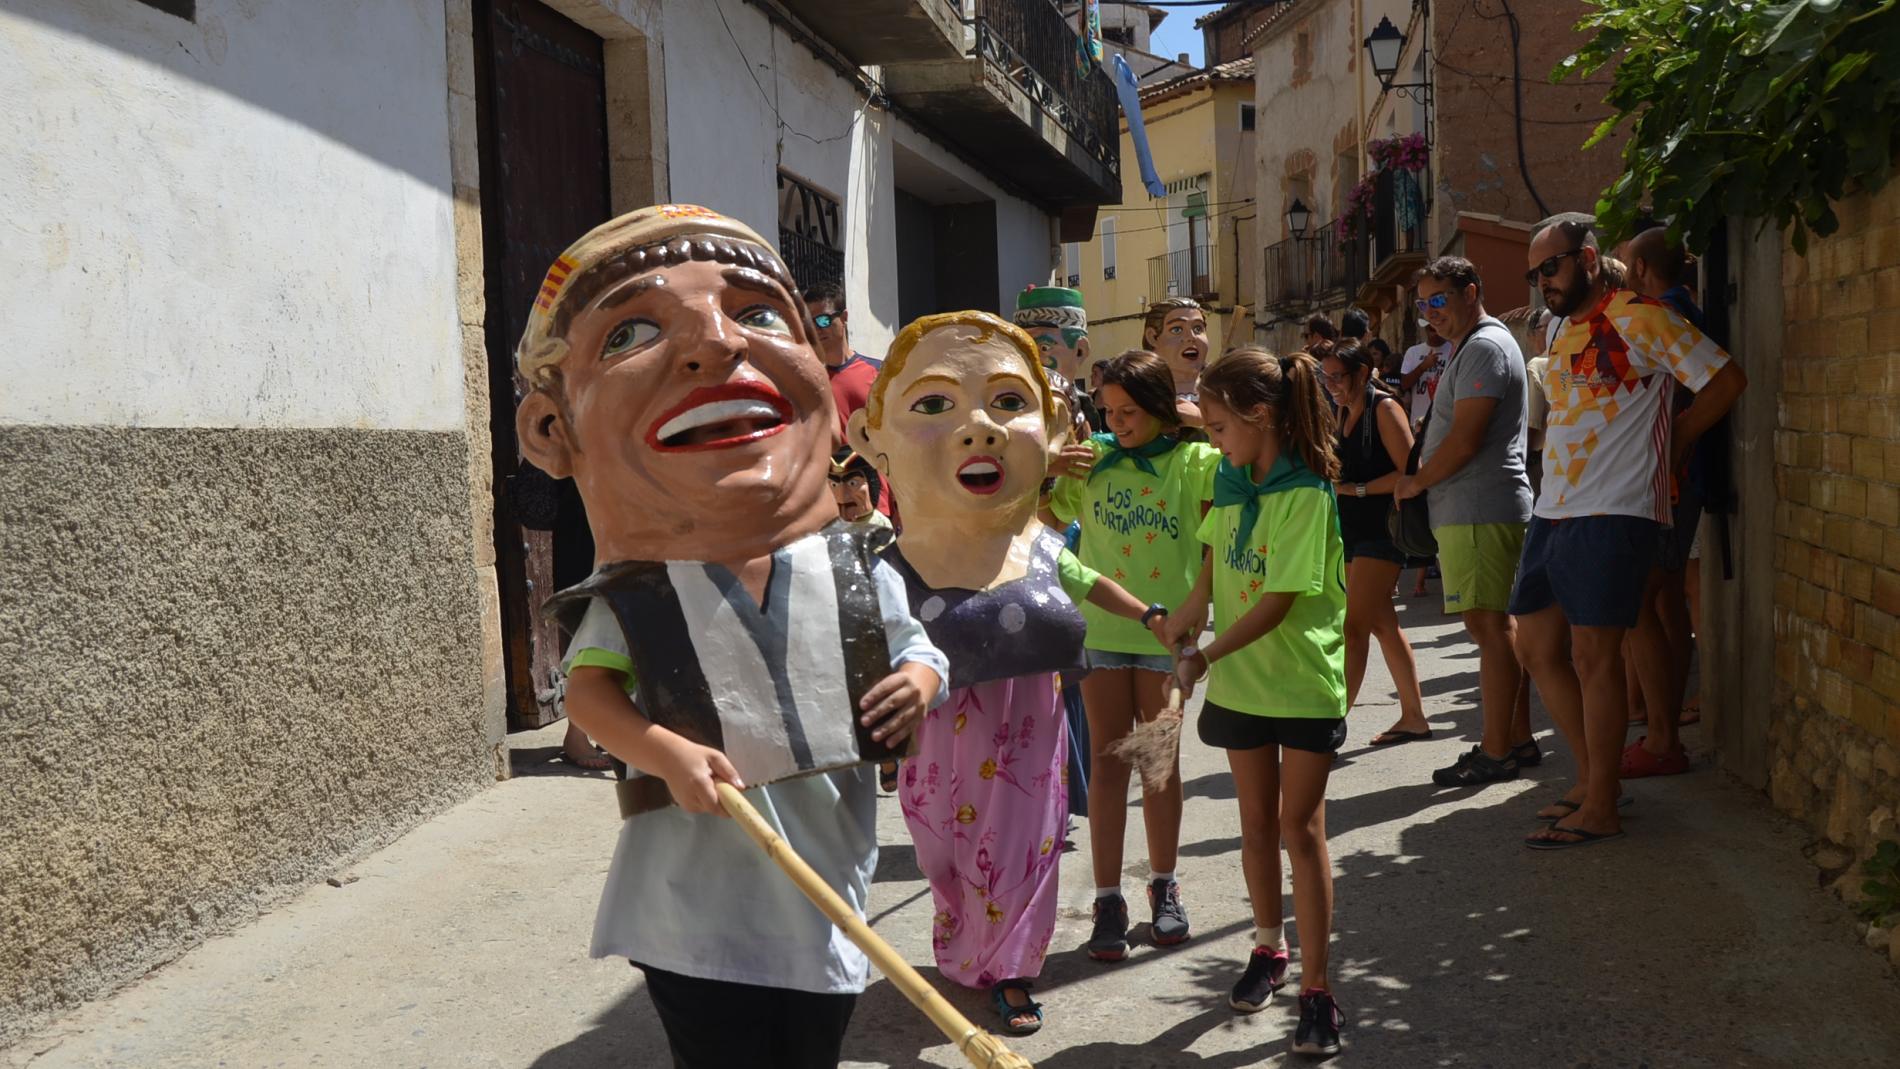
1298, 669
1138, 529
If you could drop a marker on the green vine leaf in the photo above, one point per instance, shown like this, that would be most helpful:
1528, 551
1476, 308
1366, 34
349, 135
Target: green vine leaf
1767, 110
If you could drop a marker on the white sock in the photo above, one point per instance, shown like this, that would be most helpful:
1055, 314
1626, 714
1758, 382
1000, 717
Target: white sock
1270, 937
1168, 876
1107, 892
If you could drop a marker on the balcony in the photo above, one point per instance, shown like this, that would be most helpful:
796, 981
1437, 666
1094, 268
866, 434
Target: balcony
1183, 273
1015, 104
1307, 273
1398, 227
887, 31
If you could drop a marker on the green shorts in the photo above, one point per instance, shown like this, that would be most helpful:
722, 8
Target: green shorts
1478, 562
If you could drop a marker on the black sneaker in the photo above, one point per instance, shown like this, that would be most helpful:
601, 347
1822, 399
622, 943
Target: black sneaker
1475, 769
1170, 916
1319, 1024
1266, 973
1109, 940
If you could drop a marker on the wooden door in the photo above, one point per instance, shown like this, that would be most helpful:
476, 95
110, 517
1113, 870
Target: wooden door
541, 112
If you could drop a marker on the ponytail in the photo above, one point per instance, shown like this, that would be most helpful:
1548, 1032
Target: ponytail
1289, 388
1306, 419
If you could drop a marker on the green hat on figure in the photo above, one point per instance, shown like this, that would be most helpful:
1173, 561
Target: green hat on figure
1054, 317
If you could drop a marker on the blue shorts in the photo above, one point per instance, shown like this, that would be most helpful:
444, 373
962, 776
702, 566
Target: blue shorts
1152, 662
1594, 568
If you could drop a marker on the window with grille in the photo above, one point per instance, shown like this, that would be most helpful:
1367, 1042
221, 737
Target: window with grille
810, 232
1108, 247
1072, 264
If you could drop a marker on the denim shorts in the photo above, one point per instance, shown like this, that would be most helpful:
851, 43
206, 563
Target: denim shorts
1231, 729
1152, 662
1594, 568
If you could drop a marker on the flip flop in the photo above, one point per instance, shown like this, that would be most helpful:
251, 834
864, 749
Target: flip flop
1584, 838
1622, 802
1398, 738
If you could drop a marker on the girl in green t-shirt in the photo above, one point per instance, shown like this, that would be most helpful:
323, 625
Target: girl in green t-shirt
1140, 494
1274, 571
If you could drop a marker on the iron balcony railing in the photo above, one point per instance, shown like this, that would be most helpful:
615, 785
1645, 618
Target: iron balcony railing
1185, 272
1306, 272
810, 260
1037, 48
1398, 219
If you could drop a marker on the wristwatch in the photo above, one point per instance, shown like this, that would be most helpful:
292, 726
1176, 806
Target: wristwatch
1359, 490
1157, 609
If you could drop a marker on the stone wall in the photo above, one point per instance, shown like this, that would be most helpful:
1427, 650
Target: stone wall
1834, 727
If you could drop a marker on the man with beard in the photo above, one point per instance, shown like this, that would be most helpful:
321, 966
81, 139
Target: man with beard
1611, 442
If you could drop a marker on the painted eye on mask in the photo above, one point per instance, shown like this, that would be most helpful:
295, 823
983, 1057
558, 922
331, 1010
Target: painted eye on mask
935, 404
629, 336
1010, 402
765, 318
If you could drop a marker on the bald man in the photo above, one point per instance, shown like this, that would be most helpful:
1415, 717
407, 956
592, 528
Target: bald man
1657, 652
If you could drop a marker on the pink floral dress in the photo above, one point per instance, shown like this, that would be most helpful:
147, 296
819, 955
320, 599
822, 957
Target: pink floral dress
986, 794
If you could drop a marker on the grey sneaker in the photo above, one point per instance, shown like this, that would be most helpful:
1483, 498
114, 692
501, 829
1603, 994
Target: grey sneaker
1170, 916
1109, 940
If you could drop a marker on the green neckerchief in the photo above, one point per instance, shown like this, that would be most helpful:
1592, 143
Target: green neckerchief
1139, 455
1233, 487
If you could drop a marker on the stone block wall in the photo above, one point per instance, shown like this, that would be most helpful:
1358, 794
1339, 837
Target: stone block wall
1834, 733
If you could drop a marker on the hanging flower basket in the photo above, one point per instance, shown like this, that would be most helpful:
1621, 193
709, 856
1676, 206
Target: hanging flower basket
1359, 201
1403, 152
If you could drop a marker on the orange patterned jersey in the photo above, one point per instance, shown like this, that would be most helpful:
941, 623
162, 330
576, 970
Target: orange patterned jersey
1612, 373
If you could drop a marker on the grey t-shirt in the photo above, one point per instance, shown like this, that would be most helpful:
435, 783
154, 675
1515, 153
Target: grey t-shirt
1492, 487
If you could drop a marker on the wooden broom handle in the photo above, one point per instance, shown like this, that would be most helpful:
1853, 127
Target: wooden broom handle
982, 1049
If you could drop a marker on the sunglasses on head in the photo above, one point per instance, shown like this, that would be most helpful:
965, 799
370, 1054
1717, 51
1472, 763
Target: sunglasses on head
824, 320
1550, 267
1436, 301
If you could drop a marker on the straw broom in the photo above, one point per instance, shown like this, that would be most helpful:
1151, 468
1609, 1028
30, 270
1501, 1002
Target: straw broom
1154, 747
984, 1050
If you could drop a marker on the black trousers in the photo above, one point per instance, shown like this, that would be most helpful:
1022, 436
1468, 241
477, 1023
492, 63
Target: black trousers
713, 1024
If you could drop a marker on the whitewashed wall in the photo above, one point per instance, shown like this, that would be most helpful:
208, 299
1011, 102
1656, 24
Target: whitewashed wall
203, 228
726, 147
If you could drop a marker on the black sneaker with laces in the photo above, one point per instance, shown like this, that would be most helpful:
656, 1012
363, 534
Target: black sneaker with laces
1475, 769
1170, 924
1266, 973
1109, 940
1319, 1023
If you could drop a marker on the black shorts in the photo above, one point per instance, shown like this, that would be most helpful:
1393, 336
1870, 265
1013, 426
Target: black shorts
1230, 729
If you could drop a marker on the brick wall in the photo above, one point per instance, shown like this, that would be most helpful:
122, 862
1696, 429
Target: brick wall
1476, 95
1834, 735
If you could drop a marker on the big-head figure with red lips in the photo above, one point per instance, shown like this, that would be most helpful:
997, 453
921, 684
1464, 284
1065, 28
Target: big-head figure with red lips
673, 377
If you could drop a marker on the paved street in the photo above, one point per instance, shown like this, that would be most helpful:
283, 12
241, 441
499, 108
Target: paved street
1700, 940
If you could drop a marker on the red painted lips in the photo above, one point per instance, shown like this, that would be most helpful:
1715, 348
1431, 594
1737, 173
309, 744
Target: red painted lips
720, 417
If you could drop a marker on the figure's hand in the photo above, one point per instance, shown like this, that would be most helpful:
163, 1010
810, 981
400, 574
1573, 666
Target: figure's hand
1407, 489
1073, 462
898, 701
690, 770
1189, 412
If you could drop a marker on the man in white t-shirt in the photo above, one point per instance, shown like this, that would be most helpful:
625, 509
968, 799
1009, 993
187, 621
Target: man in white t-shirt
1418, 373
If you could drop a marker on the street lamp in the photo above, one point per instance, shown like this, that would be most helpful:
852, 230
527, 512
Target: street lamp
1385, 44
1298, 218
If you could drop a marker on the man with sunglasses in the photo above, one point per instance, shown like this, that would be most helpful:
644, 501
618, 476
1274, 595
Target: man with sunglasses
1472, 462
1610, 444
851, 372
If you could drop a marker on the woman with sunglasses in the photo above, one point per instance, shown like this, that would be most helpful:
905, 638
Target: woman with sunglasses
1375, 438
